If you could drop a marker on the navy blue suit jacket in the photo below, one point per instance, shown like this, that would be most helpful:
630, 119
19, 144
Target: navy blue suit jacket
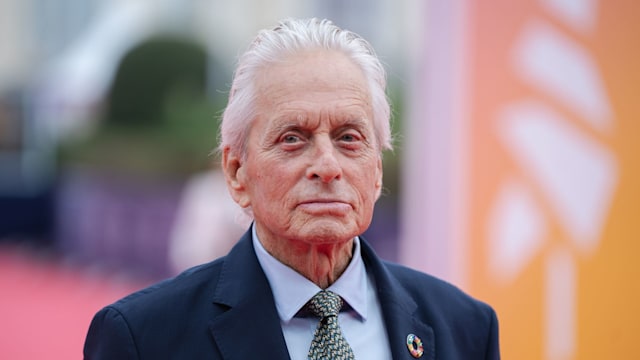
225, 310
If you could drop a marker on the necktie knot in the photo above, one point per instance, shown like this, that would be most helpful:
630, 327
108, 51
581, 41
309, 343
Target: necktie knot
325, 303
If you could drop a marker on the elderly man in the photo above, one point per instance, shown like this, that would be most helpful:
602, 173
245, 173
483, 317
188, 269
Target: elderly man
301, 144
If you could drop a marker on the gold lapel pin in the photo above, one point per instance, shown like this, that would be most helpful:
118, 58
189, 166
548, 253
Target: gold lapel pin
414, 344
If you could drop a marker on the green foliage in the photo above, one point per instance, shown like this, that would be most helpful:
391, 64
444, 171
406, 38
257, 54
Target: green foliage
391, 161
148, 73
158, 119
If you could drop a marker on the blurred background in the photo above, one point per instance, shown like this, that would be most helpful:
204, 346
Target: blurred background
515, 171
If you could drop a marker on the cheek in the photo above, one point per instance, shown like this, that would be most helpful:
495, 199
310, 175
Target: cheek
373, 187
271, 188
368, 187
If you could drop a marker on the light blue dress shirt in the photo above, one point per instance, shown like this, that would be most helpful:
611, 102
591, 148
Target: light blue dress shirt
362, 326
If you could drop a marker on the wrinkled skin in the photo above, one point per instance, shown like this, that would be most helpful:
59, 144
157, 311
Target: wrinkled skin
312, 171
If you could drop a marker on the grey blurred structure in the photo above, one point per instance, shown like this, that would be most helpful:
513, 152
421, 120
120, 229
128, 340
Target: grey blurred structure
59, 58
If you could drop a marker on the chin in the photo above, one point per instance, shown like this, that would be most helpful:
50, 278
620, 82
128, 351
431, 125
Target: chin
327, 232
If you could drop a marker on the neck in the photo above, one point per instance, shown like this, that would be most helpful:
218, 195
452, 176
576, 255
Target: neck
320, 263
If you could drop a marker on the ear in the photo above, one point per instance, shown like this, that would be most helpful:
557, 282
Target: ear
379, 178
235, 174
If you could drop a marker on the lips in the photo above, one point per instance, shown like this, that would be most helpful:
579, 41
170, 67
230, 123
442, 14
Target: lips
325, 207
320, 200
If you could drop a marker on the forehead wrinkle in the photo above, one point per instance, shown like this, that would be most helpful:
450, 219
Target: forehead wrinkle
311, 121
358, 122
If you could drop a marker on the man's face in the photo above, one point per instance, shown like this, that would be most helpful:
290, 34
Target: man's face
313, 170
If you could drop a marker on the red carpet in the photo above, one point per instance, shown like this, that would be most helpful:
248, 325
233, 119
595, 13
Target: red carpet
46, 307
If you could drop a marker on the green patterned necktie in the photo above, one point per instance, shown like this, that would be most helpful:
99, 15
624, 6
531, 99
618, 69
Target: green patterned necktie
328, 342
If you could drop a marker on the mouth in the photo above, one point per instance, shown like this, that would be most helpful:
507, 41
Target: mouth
325, 207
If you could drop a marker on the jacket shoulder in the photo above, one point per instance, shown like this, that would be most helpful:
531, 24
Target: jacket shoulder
152, 322
465, 327
188, 285
439, 299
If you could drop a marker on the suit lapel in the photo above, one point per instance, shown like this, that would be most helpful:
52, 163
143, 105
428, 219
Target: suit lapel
250, 327
398, 308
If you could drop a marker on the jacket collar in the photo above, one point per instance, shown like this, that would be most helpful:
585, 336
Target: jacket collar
244, 289
398, 308
250, 328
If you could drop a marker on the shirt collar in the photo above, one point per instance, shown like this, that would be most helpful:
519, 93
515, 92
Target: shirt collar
291, 291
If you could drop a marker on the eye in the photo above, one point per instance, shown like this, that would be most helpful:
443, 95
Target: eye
348, 137
290, 139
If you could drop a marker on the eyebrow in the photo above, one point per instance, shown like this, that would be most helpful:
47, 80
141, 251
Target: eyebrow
286, 123
359, 122
281, 125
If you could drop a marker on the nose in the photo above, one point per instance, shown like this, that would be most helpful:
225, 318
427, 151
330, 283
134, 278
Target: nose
324, 164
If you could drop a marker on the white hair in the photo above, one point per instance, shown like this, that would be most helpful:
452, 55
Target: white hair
289, 37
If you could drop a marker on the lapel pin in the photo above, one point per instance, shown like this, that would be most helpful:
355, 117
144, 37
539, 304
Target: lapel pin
414, 344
